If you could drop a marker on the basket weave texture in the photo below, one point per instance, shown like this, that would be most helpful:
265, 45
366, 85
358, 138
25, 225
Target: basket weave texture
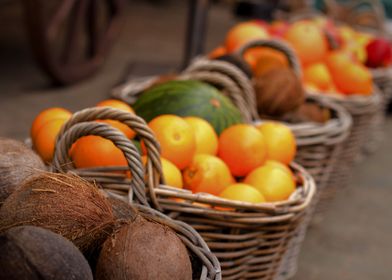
132, 190
318, 149
248, 239
363, 110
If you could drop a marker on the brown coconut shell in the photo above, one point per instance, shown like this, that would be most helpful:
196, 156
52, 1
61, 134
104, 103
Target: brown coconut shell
278, 91
34, 253
122, 210
309, 112
144, 250
64, 204
17, 162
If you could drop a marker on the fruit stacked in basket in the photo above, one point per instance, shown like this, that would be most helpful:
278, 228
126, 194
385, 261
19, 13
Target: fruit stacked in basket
212, 166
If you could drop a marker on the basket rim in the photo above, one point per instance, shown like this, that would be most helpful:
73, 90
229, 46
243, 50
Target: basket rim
334, 131
297, 203
355, 104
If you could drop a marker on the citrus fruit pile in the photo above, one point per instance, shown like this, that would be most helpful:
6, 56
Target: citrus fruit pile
48, 123
334, 58
245, 162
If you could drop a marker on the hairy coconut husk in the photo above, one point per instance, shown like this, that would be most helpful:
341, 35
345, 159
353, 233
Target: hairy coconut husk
309, 112
34, 253
64, 204
144, 250
278, 91
17, 162
122, 210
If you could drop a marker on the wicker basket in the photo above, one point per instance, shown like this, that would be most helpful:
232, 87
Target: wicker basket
368, 16
224, 70
205, 264
318, 150
363, 110
248, 239
383, 79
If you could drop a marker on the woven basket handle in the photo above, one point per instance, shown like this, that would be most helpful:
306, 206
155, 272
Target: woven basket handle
233, 73
62, 161
376, 11
304, 14
276, 45
137, 124
229, 86
130, 90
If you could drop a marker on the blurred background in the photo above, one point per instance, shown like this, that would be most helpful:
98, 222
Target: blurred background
74, 63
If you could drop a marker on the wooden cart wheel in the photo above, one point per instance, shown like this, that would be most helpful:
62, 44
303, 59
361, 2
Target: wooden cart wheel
71, 38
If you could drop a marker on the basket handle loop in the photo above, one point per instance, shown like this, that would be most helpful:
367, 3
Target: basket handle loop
276, 45
244, 84
63, 162
229, 86
153, 172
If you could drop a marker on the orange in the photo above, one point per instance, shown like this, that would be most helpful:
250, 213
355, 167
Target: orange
272, 182
176, 137
346, 33
171, 173
336, 61
208, 174
318, 75
48, 115
357, 51
243, 33
349, 76
354, 79
277, 28
242, 192
217, 52
243, 148
308, 41
117, 104
205, 135
45, 138
265, 59
277, 164
280, 141
92, 151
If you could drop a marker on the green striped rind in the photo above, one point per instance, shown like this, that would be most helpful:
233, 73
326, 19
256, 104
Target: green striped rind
188, 98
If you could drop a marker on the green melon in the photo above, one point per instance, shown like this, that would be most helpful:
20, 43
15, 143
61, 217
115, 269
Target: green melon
188, 98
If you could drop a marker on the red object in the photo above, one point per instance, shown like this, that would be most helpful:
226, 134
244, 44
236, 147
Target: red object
278, 28
379, 53
261, 23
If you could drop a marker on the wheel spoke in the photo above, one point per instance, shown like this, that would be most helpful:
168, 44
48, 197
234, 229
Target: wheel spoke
75, 27
60, 14
93, 29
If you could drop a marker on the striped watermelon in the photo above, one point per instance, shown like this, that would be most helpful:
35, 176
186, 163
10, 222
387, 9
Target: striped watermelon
188, 98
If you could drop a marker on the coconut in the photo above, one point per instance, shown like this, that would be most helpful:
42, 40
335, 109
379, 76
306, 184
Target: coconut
143, 250
63, 203
17, 162
122, 210
309, 112
278, 91
29, 252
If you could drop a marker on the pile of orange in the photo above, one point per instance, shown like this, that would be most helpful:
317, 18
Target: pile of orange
244, 163
340, 70
84, 152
